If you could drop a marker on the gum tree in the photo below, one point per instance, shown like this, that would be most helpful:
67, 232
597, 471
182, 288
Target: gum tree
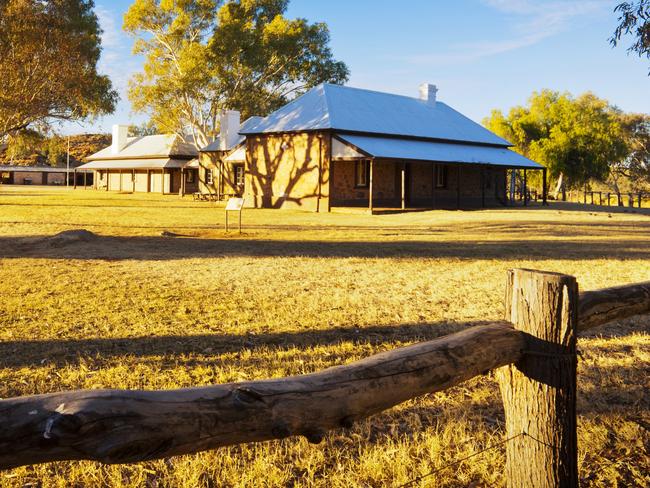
634, 21
49, 51
202, 56
575, 138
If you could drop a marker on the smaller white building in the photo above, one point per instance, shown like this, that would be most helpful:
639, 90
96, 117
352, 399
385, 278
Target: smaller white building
157, 163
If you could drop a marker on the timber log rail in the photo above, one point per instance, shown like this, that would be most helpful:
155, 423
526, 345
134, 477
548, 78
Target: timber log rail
534, 349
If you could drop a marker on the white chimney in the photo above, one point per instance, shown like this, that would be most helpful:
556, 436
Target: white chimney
120, 134
229, 129
428, 93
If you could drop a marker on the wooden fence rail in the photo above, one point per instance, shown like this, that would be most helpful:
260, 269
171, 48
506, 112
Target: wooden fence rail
120, 426
633, 198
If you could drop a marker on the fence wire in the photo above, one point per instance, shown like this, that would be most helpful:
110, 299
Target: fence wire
458, 461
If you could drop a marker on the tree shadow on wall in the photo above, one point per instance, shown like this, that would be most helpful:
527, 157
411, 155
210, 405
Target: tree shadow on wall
301, 181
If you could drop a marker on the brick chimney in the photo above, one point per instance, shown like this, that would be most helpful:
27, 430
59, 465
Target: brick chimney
120, 134
229, 129
428, 93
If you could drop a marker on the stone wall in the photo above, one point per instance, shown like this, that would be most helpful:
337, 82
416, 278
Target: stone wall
288, 171
221, 184
419, 185
32, 177
386, 188
56, 178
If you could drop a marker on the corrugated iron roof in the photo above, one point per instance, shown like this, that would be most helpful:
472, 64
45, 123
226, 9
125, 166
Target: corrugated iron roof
162, 145
41, 169
154, 163
356, 110
216, 144
237, 156
419, 150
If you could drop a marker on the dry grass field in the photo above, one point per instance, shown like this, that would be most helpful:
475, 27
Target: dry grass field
298, 292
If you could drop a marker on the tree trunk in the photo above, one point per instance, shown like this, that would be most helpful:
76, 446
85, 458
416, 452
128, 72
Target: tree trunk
560, 187
539, 391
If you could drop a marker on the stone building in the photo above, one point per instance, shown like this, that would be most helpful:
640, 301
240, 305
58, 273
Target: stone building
221, 163
334, 146
341, 146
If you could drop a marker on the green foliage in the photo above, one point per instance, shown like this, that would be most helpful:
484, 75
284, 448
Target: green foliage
636, 164
25, 144
203, 57
634, 20
575, 138
145, 129
56, 148
48, 59
264, 58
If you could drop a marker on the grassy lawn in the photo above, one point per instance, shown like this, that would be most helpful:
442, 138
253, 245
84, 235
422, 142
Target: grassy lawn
298, 292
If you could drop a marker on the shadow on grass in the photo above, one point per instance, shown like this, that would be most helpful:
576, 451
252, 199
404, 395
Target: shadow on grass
166, 248
15, 354
606, 389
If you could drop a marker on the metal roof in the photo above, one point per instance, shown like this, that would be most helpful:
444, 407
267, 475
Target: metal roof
356, 110
418, 150
38, 169
216, 144
159, 163
162, 145
237, 156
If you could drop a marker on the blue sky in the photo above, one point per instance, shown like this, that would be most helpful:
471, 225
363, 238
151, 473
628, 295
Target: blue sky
482, 54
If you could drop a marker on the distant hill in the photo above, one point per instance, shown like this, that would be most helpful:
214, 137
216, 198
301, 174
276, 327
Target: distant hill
81, 146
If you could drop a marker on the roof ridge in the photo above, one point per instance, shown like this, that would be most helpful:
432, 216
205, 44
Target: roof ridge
397, 95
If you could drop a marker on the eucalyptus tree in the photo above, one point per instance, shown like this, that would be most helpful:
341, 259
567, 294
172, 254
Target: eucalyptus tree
577, 139
204, 56
634, 21
49, 50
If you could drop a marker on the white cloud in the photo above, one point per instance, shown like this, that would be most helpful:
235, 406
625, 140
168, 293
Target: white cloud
530, 23
112, 35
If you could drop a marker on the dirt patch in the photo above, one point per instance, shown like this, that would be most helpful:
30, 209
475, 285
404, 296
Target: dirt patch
68, 237
62, 239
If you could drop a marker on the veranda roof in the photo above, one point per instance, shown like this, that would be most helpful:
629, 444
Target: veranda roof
422, 150
37, 169
162, 163
237, 156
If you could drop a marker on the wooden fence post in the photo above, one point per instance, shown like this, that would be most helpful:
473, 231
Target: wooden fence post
539, 391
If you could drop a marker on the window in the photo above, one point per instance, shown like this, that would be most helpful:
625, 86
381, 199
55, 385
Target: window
238, 169
361, 174
208, 176
189, 176
441, 176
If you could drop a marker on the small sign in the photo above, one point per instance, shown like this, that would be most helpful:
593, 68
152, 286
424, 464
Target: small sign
235, 204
